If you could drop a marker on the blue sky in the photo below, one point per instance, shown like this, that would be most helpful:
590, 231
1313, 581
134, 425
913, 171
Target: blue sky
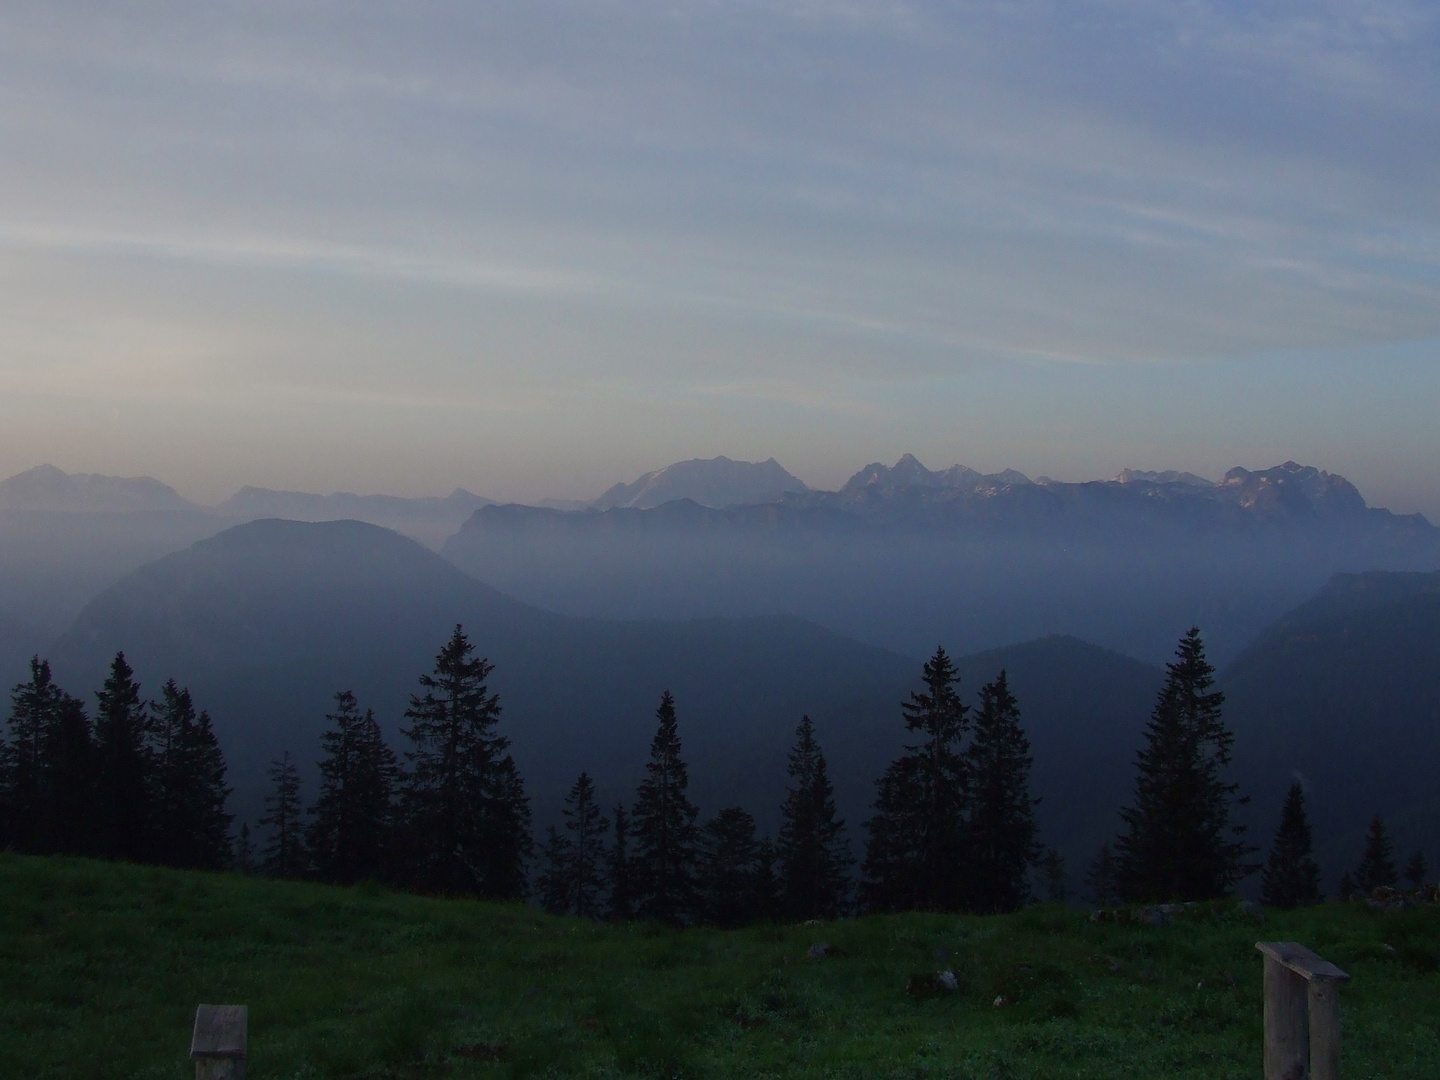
531, 249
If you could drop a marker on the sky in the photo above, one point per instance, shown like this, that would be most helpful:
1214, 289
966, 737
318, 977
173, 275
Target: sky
535, 248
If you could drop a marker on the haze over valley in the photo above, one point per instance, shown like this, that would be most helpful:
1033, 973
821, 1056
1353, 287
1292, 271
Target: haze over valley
756, 599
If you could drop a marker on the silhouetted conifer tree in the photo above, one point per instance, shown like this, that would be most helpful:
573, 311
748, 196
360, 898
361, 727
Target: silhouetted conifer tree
284, 853
1001, 836
1180, 843
1377, 864
767, 881
125, 767
192, 829
813, 855
244, 851
1100, 885
618, 867
353, 816
663, 868
730, 868
586, 825
1053, 884
553, 884
467, 815
574, 876
47, 769
1291, 879
1417, 870
915, 854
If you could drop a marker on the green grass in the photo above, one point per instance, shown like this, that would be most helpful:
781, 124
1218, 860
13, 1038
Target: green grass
101, 967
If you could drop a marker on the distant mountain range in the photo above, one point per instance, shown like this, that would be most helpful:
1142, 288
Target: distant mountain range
903, 557
50, 489
715, 482
900, 556
430, 520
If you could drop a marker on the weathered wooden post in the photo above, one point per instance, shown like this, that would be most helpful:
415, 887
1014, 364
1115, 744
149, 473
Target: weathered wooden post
219, 1043
1302, 1013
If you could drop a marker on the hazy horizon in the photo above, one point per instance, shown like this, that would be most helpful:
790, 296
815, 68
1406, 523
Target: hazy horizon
534, 250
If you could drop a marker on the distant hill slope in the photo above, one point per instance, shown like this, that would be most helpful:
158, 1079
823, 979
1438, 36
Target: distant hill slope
1344, 693
902, 557
715, 482
267, 620
47, 488
65, 537
430, 520
18, 642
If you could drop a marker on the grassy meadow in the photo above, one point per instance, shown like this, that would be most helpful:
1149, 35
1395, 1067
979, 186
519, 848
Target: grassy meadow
101, 967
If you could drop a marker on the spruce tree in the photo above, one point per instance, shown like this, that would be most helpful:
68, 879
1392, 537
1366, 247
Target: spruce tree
47, 769
1377, 864
353, 816
125, 766
1051, 867
730, 868
192, 829
813, 855
244, 851
1417, 870
663, 868
619, 870
915, 854
1100, 884
1180, 843
284, 854
586, 824
767, 881
467, 815
1291, 879
1001, 841
553, 884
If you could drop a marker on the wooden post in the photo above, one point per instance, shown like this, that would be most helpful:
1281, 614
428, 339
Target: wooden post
1324, 1028
218, 1045
1302, 1013
1287, 1030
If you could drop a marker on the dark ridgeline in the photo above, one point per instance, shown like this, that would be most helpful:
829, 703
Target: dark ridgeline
813, 854
1180, 843
1291, 879
466, 817
915, 858
284, 855
353, 818
663, 868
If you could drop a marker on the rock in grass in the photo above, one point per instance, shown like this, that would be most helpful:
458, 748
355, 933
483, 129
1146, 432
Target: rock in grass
819, 950
928, 984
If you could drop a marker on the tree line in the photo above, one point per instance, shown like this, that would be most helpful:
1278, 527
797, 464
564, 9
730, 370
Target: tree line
953, 826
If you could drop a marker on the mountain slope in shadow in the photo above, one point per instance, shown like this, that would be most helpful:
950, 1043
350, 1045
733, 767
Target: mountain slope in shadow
1343, 693
267, 620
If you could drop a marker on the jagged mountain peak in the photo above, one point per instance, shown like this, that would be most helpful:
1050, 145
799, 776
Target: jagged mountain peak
908, 472
1167, 476
714, 482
